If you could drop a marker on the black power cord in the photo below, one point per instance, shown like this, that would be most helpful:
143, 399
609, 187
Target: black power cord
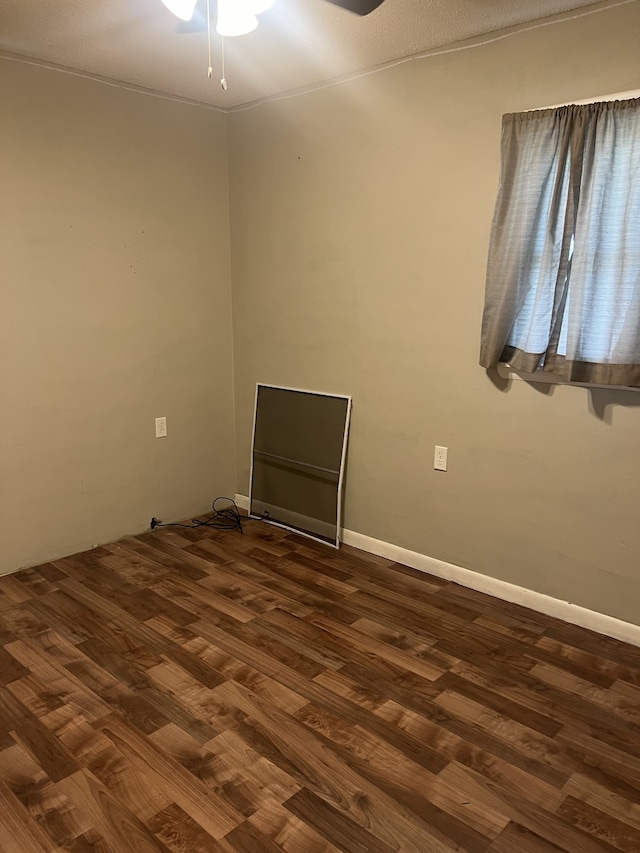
227, 518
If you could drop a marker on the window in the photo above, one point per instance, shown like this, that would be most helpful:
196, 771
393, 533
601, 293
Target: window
563, 275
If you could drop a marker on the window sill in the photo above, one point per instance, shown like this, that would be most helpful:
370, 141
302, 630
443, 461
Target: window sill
505, 371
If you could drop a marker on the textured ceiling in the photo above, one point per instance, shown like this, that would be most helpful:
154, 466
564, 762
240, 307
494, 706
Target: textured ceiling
299, 43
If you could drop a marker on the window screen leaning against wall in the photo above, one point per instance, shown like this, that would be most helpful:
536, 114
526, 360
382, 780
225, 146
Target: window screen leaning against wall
563, 274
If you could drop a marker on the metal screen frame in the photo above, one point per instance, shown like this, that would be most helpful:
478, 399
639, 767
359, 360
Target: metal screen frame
340, 472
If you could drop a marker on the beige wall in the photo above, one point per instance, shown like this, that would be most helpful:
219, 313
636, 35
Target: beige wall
114, 309
360, 217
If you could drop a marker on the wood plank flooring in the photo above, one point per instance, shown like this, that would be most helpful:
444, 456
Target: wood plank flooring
198, 691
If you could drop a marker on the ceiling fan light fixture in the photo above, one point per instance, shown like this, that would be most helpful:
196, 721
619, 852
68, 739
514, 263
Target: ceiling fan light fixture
235, 18
182, 9
259, 6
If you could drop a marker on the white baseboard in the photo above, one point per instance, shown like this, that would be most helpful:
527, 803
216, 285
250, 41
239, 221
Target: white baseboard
565, 610
314, 527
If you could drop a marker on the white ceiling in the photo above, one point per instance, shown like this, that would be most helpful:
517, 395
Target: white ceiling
299, 43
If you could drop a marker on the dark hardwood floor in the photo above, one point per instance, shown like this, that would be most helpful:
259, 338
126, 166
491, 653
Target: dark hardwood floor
210, 692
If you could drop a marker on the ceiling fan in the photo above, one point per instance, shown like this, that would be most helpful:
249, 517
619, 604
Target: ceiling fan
193, 13
238, 17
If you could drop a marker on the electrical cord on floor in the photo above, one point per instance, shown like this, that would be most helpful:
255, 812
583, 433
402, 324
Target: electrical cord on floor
227, 518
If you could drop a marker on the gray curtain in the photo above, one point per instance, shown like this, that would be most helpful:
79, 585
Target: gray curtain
563, 274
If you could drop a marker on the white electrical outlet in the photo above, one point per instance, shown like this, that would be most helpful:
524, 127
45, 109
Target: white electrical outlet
440, 458
161, 427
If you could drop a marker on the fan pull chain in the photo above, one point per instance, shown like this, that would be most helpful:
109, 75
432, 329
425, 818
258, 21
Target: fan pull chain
223, 81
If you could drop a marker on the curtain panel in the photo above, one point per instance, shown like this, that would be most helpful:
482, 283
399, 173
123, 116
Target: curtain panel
563, 274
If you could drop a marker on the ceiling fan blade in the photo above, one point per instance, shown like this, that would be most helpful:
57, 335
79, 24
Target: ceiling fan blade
360, 7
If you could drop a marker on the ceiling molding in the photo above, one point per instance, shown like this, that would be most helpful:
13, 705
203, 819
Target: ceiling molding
184, 83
